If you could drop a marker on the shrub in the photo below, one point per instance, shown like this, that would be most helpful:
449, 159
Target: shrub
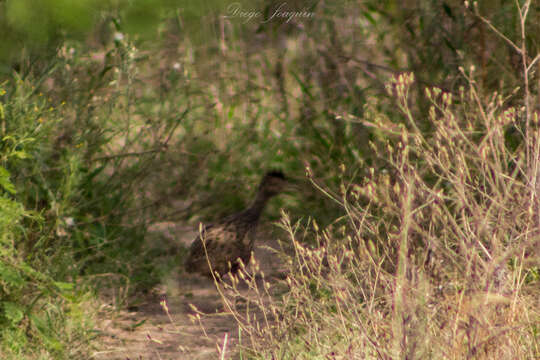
434, 256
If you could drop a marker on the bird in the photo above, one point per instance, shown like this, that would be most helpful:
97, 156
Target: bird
230, 240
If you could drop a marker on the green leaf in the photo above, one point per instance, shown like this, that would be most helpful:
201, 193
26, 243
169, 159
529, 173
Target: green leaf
21, 154
4, 181
10, 276
369, 18
30, 271
13, 311
135, 326
64, 286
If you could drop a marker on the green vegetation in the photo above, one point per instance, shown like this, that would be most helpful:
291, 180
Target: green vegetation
412, 133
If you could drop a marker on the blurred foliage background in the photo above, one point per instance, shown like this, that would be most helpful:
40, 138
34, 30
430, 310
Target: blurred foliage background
117, 114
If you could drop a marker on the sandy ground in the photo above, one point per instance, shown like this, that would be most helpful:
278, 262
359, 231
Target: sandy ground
150, 333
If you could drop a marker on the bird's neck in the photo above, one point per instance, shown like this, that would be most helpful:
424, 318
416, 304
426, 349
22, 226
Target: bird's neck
257, 206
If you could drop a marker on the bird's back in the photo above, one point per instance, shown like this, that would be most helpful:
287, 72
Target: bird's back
224, 243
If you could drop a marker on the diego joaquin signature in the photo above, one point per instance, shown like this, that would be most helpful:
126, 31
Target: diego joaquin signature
235, 10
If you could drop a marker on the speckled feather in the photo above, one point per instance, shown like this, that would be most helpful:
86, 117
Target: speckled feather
233, 237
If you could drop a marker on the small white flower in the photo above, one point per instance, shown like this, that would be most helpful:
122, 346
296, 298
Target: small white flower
118, 36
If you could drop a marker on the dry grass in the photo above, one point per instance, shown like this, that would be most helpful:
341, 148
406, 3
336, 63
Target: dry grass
436, 256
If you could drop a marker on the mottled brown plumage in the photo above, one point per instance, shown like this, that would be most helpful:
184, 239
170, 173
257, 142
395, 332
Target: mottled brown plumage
233, 237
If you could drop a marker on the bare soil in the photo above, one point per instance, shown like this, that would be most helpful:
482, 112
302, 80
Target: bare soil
149, 333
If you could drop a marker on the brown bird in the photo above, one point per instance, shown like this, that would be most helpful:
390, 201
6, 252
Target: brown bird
233, 237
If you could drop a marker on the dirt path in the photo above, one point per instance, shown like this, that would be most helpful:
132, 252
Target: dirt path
150, 333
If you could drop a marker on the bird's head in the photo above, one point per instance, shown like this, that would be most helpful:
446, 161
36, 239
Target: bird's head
273, 183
